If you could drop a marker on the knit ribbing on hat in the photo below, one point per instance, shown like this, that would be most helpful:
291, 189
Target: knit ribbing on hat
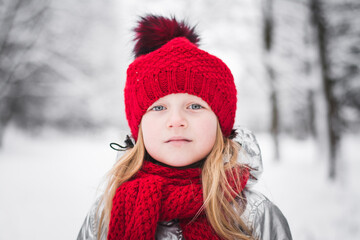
179, 66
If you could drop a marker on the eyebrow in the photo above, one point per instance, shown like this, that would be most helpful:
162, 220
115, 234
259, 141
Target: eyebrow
193, 100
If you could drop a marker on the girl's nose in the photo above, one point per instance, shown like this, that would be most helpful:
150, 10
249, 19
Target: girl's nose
176, 119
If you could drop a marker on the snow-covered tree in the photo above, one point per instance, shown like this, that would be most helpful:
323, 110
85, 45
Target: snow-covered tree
268, 42
50, 53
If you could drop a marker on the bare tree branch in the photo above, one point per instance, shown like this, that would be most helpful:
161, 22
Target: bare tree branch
8, 23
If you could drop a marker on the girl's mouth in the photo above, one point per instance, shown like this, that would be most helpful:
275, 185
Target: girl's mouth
178, 139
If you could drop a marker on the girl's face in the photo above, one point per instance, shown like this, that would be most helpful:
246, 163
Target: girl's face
179, 129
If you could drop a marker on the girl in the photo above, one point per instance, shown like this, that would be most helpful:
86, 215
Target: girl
184, 178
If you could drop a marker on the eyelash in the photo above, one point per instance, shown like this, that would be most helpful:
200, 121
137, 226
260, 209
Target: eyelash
155, 108
195, 104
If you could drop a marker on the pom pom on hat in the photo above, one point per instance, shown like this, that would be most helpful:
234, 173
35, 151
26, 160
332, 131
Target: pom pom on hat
153, 32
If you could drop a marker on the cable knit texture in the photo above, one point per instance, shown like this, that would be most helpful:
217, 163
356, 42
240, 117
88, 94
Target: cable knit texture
179, 66
157, 193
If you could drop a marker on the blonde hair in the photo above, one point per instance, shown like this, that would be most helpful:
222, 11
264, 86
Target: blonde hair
222, 209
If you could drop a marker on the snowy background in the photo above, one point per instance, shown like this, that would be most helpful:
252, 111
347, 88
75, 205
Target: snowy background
48, 184
62, 72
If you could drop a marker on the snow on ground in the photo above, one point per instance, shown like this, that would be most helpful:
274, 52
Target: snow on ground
48, 183
316, 208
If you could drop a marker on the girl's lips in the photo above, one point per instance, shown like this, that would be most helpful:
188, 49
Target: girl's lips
178, 139
178, 142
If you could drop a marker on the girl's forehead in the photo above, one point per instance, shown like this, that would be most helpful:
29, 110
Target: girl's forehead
180, 96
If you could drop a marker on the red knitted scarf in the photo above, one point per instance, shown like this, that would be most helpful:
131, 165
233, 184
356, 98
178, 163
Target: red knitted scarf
158, 193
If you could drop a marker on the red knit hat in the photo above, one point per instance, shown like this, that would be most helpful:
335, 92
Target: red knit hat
169, 61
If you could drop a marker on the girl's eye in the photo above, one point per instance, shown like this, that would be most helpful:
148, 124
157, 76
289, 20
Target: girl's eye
195, 106
158, 108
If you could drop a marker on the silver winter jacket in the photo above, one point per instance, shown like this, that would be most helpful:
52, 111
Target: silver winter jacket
261, 215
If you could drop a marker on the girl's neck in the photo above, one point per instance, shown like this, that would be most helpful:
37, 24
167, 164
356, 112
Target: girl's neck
197, 164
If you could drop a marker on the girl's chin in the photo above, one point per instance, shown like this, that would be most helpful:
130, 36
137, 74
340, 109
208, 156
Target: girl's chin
176, 164
179, 163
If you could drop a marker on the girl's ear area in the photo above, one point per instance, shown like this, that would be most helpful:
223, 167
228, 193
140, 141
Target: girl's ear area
233, 134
